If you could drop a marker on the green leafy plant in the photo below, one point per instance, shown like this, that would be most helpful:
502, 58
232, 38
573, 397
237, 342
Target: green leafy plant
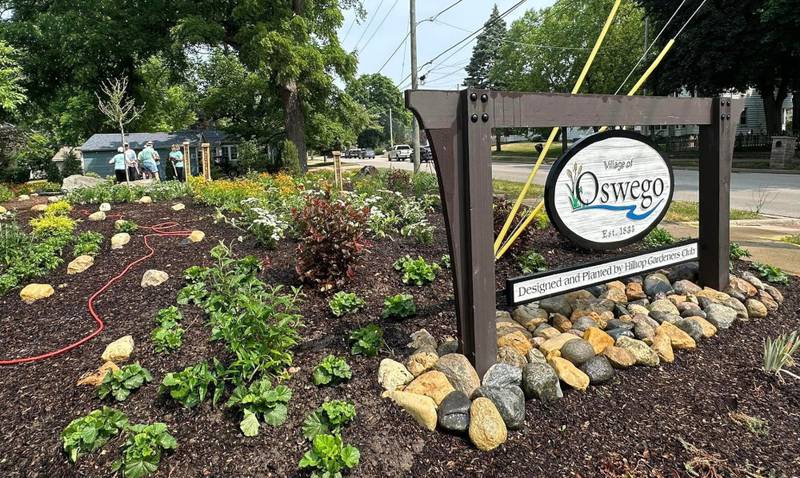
87, 434
167, 338
24, 256
52, 226
125, 225
328, 456
260, 399
58, 208
331, 370
771, 273
531, 262
658, 237
416, 271
169, 315
121, 383
399, 306
141, 453
345, 303
192, 385
446, 261
6, 194
737, 252
329, 418
366, 341
87, 243
779, 354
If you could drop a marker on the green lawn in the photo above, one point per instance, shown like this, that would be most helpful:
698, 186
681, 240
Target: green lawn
795, 239
512, 189
515, 151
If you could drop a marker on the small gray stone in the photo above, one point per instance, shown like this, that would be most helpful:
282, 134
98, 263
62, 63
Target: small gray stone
597, 290
539, 380
557, 305
453, 412
447, 347
536, 356
642, 302
422, 339
637, 279
738, 306
598, 369
502, 375
657, 283
775, 293
584, 323
720, 316
617, 333
459, 372
751, 278
691, 327
688, 308
662, 317
619, 324
529, 316
646, 319
577, 351
686, 287
704, 302
663, 305
686, 271
509, 401
510, 356
644, 331
620, 310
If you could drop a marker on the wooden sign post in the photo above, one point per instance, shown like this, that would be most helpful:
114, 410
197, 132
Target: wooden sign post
187, 162
337, 169
459, 128
206, 147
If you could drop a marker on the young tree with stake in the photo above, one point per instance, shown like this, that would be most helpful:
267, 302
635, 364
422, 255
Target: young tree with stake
117, 107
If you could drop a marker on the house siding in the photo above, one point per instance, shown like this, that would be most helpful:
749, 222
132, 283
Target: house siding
97, 162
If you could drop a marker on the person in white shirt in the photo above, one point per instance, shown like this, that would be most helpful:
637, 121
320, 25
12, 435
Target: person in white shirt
131, 162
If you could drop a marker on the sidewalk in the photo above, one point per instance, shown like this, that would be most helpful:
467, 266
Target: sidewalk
760, 237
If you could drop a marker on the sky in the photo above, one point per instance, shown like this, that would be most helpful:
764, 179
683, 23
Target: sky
375, 42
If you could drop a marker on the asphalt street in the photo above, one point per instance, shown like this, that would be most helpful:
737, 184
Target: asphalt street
773, 194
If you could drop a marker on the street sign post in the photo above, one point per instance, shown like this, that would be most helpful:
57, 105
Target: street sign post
459, 128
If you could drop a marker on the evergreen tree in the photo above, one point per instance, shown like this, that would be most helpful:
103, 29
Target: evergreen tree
485, 55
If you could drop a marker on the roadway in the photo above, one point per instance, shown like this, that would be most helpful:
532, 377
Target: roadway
776, 194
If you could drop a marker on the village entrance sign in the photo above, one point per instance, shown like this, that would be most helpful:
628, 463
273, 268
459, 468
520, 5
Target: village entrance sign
607, 191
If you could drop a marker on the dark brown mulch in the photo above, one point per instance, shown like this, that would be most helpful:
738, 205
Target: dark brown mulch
633, 425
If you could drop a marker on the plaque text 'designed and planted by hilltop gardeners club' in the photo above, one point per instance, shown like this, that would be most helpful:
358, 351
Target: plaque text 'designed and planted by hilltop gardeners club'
609, 190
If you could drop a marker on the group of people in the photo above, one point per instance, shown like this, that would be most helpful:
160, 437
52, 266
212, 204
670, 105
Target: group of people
129, 166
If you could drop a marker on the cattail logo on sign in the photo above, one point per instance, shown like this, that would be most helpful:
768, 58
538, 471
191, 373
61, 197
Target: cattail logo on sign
609, 190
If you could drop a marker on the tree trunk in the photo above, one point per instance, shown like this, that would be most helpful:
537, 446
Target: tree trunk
497, 141
294, 121
124, 158
796, 112
772, 100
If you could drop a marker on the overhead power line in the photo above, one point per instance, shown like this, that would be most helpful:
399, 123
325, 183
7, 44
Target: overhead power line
369, 24
377, 29
402, 42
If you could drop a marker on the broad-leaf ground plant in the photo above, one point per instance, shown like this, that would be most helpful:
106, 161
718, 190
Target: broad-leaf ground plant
399, 306
416, 271
366, 341
192, 385
329, 418
86, 434
328, 457
141, 453
331, 370
531, 262
87, 243
771, 273
121, 383
168, 336
260, 399
345, 303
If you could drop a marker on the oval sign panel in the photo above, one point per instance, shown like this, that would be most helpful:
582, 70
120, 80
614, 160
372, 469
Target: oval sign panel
609, 190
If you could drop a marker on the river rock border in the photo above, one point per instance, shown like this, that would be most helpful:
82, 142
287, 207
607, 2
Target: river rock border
574, 340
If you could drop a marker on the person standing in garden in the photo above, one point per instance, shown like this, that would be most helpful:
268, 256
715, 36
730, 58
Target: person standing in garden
131, 162
147, 158
176, 158
118, 160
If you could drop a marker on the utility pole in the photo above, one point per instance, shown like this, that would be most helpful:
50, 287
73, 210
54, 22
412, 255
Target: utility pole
414, 79
391, 128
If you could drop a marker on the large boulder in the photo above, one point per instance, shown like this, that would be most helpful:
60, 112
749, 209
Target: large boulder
33, 292
77, 181
453, 412
509, 401
539, 380
577, 351
502, 375
459, 372
487, 430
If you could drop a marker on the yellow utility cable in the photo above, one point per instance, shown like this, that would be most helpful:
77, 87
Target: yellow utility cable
554, 132
538, 208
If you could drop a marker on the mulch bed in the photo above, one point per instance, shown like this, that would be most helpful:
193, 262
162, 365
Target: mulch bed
633, 425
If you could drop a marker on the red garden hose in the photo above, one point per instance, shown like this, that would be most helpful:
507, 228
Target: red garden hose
159, 230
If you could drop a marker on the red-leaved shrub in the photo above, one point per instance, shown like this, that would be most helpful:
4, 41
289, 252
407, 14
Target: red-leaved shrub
331, 239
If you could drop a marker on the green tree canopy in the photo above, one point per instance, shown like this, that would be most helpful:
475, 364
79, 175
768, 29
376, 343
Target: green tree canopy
12, 93
377, 94
486, 53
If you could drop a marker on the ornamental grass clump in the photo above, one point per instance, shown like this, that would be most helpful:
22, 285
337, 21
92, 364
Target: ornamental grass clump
779, 354
331, 240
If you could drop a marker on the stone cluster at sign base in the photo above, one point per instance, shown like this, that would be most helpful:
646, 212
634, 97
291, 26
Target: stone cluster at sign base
573, 341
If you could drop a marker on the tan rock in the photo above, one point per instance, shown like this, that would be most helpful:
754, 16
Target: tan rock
570, 374
641, 351
393, 375
598, 339
617, 294
708, 328
33, 292
510, 356
636, 309
196, 236
459, 372
530, 316
662, 347
421, 362
548, 333
516, 340
179, 207
601, 319
740, 286
679, 339
153, 278
486, 427
634, 291
713, 294
97, 216
145, 200
3, 210
39, 208
756, 309
119, 240
561, 323
766, 298
619, 357
420, 407
676, 299
615, 285
105, 207
96, 378
119, 350
80, 264
433, 384
556, 343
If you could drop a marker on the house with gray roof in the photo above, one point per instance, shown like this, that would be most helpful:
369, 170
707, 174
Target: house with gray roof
98, 150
